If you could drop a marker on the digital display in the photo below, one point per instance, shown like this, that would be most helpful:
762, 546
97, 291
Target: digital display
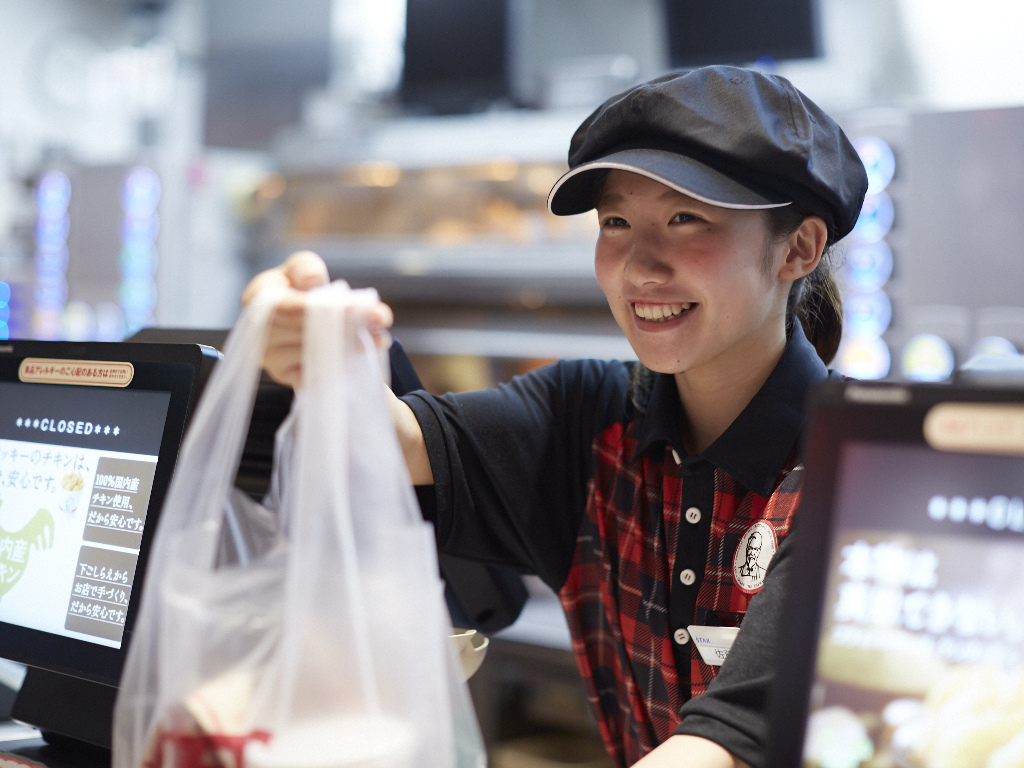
76, 472
922, 638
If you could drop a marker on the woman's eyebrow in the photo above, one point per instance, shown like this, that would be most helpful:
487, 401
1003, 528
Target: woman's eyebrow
610, 197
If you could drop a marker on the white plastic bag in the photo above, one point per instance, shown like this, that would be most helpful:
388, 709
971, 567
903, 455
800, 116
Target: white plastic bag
325, 644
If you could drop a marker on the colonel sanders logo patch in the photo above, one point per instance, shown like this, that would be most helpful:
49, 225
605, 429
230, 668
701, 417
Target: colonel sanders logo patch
753, 553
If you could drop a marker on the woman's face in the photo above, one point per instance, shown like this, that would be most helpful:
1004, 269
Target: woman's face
687, 281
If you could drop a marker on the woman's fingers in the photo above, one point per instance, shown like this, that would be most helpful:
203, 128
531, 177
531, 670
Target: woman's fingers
299, 273
271, 278
379, 319
305, 270
302, 271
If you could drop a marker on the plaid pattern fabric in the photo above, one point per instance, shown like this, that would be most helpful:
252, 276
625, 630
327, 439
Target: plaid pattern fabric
616, 597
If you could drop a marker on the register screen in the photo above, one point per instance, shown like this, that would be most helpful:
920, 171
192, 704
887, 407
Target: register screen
76, 472
922, 638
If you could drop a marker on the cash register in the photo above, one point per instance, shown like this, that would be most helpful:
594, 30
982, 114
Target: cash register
89, 434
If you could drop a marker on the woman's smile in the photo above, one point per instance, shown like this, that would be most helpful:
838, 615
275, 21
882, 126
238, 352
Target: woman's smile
660, 312
654, 318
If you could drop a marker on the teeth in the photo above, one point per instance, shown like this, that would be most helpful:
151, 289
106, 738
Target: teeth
660, 311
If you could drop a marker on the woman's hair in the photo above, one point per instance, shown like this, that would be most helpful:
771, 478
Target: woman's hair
813, 299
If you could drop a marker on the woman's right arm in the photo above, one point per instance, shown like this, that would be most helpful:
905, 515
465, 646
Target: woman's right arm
282, 360
410, 438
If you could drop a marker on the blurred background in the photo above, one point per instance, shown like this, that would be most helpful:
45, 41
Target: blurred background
155, 154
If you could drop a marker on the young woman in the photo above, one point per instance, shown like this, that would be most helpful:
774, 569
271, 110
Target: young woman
653, 496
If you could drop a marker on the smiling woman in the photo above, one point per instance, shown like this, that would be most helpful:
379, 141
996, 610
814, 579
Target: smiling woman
655, 511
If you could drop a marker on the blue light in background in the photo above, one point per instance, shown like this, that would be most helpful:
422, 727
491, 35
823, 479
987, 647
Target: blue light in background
138, 263
868, 266
52, 265
867, 314
53, 194
879, 162
52, 231
138, 297
876, 218
52, 294
140, 195
5, 310
141, 191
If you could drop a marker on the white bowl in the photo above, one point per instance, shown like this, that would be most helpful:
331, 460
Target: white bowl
471, 647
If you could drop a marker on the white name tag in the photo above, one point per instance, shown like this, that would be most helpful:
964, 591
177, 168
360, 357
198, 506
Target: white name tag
713, 642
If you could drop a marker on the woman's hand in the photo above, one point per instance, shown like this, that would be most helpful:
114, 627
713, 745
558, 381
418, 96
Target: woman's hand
299, 273
282, 361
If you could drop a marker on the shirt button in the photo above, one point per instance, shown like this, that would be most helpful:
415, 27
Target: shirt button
681, 636
693, 515
687, 576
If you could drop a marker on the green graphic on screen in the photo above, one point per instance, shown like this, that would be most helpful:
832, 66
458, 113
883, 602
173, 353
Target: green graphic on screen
16, 548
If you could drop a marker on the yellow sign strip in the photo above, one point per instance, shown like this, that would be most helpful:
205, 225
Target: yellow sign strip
976, 427
90, 373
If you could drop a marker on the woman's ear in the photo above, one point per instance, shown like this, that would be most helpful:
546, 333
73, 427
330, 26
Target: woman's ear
804, 248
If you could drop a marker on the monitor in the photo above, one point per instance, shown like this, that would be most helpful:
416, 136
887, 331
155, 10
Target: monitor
89, 434
455, 55
741, 31
902, 638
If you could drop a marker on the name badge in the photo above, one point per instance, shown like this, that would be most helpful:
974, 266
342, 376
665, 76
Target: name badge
713, 642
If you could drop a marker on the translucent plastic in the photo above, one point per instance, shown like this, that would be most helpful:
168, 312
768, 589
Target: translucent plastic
313, 634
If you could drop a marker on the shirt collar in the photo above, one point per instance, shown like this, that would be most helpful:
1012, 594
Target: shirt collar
754, 448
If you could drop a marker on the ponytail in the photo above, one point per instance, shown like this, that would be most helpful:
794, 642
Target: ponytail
814, 299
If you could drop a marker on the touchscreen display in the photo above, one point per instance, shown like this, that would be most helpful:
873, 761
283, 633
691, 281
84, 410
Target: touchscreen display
76, 472
922, 637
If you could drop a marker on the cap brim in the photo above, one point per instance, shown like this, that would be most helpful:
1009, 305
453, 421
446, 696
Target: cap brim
576, 191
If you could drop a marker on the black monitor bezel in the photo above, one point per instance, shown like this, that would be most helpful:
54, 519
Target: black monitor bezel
841, 413
172, 368
705, 33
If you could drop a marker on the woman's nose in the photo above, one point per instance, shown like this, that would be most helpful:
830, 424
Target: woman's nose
647, 260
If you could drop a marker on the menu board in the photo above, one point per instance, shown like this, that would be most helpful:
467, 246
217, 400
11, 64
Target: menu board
921, 654
76, 474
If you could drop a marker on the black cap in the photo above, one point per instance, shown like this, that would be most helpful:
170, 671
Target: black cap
728, 136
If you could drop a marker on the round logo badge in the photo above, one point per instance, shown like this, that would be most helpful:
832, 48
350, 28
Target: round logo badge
753, 553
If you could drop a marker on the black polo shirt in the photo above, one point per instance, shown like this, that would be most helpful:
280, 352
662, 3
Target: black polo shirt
559, 473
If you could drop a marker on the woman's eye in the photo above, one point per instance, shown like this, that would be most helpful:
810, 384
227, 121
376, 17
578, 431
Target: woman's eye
682, 218
614, 222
